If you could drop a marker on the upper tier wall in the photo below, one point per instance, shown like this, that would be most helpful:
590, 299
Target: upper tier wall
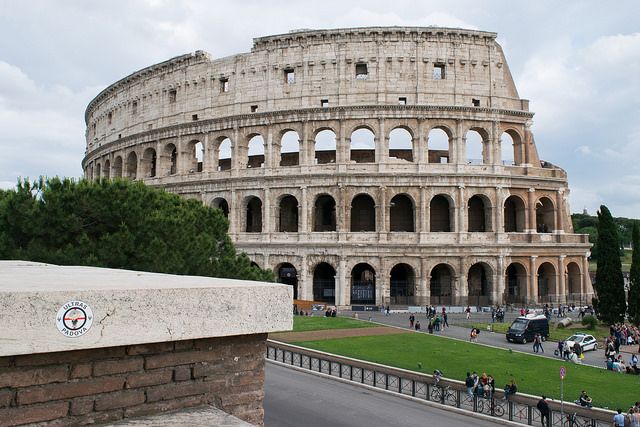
367, 66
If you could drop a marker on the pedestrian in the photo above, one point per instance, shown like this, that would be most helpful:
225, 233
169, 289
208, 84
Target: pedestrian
444, 319
618, 419
468, 311
473, 337
469, 383
543, 407
430, 326
387, 313
536, 342
412, 319
417, 325
540, 348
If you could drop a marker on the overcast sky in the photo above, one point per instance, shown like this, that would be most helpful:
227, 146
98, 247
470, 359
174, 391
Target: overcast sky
578, 63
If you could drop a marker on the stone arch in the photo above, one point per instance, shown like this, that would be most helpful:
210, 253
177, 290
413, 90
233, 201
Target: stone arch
148, 163
221, 203
476, 146
401, 213
514, 215
253, 215
362, 145
224, 153
289, 148
324, 213
574, 282
515, 290
363, 213
117, 167
288, 214
479, 284
324, 283
255, 151
479, 214
440, 141
132, 165
441, 213
107, 169
170, 154
546, 282
325, 146
402, 282
401, 144
195, 156
287, 274
441, 284
511, 147
363, 284
545, 215
98, 171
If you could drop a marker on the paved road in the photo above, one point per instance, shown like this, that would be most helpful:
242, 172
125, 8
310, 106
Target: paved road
299, 399
593, 358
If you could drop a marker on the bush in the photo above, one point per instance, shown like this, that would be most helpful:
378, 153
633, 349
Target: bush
590, 322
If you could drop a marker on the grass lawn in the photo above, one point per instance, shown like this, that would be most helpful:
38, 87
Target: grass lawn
534, 375
555, 334
317, 323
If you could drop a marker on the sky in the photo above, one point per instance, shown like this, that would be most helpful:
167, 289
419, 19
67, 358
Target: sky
578, 62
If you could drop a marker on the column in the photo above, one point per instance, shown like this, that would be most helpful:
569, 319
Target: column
499, 211
304, 144
382, 225
456, 149
532, 210
462, 287
419, 145
532, 287
211, 153
499, 284
342, 210
234, 213
562, 290
305, 283
342, 285
236, 151
303, 210
382, 144
266, 207
341, 145
461, 226
585, 276
271, 158
423, 214
425, 279
559, 211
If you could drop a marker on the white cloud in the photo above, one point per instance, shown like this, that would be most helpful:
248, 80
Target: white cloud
584, 149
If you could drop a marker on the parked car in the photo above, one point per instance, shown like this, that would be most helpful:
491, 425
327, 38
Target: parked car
587, 342
524, 328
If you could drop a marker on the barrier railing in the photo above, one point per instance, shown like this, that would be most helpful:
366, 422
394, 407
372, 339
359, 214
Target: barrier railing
519, 408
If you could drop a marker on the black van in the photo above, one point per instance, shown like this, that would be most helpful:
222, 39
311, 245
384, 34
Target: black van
525, 327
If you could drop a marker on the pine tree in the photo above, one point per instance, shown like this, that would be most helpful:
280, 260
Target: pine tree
610, 302
634, 290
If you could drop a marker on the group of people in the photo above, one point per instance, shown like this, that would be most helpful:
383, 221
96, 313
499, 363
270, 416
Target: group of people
573, 354
619, 335
481, 386
630, 419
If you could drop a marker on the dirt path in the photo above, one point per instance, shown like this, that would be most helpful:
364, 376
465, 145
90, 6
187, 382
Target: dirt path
335, 333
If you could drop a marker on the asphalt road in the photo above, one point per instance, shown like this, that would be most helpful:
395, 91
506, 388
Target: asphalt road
593, 358
299, 399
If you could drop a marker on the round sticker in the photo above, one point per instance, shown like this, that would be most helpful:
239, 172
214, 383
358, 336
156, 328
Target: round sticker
74, 319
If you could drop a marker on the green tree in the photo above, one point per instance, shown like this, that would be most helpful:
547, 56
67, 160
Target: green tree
118, 224
634, 289
609, 286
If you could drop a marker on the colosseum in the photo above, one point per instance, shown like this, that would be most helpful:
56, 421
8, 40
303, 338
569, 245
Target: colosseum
364, 166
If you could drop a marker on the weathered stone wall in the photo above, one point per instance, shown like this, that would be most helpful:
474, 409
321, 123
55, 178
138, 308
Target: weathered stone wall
107, 384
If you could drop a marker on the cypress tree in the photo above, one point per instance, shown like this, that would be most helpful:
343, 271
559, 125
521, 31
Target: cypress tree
634, 290
610, 302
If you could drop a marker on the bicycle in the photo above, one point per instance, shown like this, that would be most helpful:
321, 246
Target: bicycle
490, 406
443, 394
573, 420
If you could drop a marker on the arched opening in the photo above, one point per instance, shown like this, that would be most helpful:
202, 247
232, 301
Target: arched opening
474, 144
401, 144
325, 147
117, 167
256, 152
196, 156
478, 217
290, 149
288, 275
363, 146
324, 214
220, 203
98, 171
363, 213
254, 215
440, 214
514, 215
438, 144
324, 283
171, 159
132, 165
107, 169
402, 284
224, 154
512, 148
574, 283
401, 213
507, 149
441, 285
149, 162
363, 284
516, 286
546, 282
545, 215
288, 215
479, 285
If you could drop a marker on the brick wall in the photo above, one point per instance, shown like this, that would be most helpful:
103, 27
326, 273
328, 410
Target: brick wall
108, 384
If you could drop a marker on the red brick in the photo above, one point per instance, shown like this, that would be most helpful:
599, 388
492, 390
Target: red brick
81, 406
33, 413
81, 370
5, 398
6, 361
206, 369
159, 347
76, 356
171, 391
19, 377
120, 399
183, 345
182, 373
157, 407
148, 378
242, 398
70, 389
110, 367
246, 378
183, 358
95, 418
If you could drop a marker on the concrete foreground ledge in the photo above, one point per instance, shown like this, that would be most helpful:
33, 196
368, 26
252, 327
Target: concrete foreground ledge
192, 417
131, 307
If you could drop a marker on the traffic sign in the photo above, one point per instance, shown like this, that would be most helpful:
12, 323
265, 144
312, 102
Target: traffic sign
563, 372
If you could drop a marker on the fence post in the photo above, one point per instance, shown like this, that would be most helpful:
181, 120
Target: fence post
529, 414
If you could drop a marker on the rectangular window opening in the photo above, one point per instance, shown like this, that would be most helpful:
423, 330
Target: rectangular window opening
254, 108
402, 100
475, 102
224, 84
110, 118
172, 96
324, 102
194, 117
289, 76
438, 71
361, 72
134, 108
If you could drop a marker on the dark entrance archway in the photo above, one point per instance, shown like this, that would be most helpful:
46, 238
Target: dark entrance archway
288, 275
324, 283
441, 285
401, 213
402, 283
254, 216
363, 284
516, 286
363, 213
288, 218
479, 285
324, 214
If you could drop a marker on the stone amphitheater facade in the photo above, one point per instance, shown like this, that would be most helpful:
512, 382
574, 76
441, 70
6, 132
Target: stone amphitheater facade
386, 165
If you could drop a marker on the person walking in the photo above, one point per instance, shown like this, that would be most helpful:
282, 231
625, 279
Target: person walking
468, 311
469, 383
412, 319
444, 319
543, 407
536, 342
417, 326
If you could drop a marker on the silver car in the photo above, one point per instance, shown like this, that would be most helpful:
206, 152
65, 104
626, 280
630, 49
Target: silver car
587, 342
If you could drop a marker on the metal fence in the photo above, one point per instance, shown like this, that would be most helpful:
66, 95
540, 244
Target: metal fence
519, 408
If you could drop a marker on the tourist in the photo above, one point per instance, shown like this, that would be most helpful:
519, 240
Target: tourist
412, 319
444, 319
468, 311
543, 407
618, 419
585, 400
473, 337
510, 389
469, 383
417, 325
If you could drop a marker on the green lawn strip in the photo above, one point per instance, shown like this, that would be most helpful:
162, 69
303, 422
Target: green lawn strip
534, 375
555, 334
319, 323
